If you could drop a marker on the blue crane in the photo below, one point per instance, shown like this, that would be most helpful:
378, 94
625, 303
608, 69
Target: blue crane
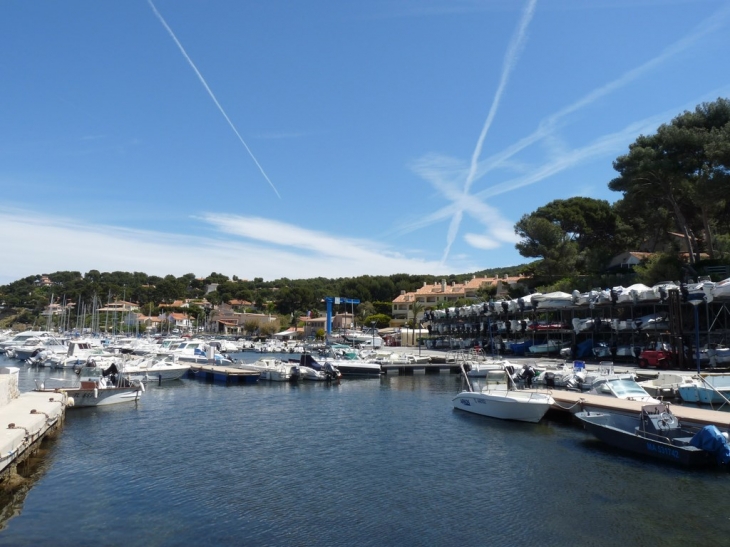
329, 300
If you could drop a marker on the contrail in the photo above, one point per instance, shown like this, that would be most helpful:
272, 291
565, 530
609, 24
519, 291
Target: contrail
205, 85
510, 59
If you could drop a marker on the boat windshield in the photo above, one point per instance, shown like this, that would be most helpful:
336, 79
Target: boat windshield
626, 388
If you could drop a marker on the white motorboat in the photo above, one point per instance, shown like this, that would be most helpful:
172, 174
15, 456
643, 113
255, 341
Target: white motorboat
94, 387
666, 384
499, 398
706, 389
552, 300
551, 346
309, 369
272, 369
622, 386
38, 348
20, 338
157, 368
350, 367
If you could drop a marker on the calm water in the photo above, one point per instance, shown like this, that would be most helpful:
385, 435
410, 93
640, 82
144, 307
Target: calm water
366, 462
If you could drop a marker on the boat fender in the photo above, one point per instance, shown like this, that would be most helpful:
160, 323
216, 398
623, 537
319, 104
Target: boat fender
70, 402
96, 393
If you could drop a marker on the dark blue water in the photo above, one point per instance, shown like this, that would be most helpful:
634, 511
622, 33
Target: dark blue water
366, 462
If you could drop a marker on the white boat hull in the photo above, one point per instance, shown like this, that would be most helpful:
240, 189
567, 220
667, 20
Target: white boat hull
99, 397
523, 406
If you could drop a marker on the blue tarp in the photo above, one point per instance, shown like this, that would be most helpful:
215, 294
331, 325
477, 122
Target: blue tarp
584, 349
711, 440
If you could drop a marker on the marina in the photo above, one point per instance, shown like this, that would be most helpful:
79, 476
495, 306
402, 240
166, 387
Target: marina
361, 447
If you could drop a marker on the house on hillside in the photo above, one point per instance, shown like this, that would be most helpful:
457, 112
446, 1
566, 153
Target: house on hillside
431, 296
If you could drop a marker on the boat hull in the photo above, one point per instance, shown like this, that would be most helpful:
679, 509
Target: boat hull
617, 431
99, 397
506, 405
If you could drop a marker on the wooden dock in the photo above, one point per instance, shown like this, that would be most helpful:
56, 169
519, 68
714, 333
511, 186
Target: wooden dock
231, 375
572, 401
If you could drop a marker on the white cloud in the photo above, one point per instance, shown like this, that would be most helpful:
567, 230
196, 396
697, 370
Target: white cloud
271, 250
481, 241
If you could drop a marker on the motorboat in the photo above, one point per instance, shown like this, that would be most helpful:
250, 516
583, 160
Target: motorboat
665, 385
155, 368
658, 433
706, 389
38, 348
553, 300
308, 368
20, 338
396, 358
721, 289
273, 369
94, 386
353, 366
636, 294
551, 346
500, 398
621, 388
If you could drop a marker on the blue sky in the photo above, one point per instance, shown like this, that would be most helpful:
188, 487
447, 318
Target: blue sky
328, 138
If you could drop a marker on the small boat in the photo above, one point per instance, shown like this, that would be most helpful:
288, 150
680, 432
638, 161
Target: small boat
272, 369
665, 385
551, 346
706, 389
500, 398
622, 388
309, 369
158, 368
94, 387
658, 433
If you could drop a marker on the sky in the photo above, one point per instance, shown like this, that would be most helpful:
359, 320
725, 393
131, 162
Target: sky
331, 138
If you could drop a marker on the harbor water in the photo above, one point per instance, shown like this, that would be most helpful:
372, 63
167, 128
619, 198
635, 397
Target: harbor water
363, 462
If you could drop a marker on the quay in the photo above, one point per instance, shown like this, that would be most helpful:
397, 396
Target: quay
26, 420
573, 401
229, 375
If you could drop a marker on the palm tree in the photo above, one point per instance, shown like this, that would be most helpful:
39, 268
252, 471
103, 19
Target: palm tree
416, 308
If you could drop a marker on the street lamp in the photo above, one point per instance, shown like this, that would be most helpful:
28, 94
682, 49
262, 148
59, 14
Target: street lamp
420, 328
695, 305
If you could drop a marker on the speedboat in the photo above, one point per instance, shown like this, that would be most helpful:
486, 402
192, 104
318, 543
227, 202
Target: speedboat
309, 369
666, 384
155, 368
606, 381
500, 398
94, 387
351, 367
272, 369
658, 433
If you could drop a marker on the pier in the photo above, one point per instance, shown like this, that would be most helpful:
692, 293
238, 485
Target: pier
573, 401
26, 420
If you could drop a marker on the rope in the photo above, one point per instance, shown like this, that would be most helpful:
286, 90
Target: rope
578, 402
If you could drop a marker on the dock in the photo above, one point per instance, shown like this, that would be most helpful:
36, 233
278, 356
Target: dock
229, 375
26, 420
572, 401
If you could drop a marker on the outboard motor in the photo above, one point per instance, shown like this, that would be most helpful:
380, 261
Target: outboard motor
528, 373
331, 371
549, 379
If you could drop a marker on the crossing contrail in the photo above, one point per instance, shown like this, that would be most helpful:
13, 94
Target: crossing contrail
510, 59
212, 96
